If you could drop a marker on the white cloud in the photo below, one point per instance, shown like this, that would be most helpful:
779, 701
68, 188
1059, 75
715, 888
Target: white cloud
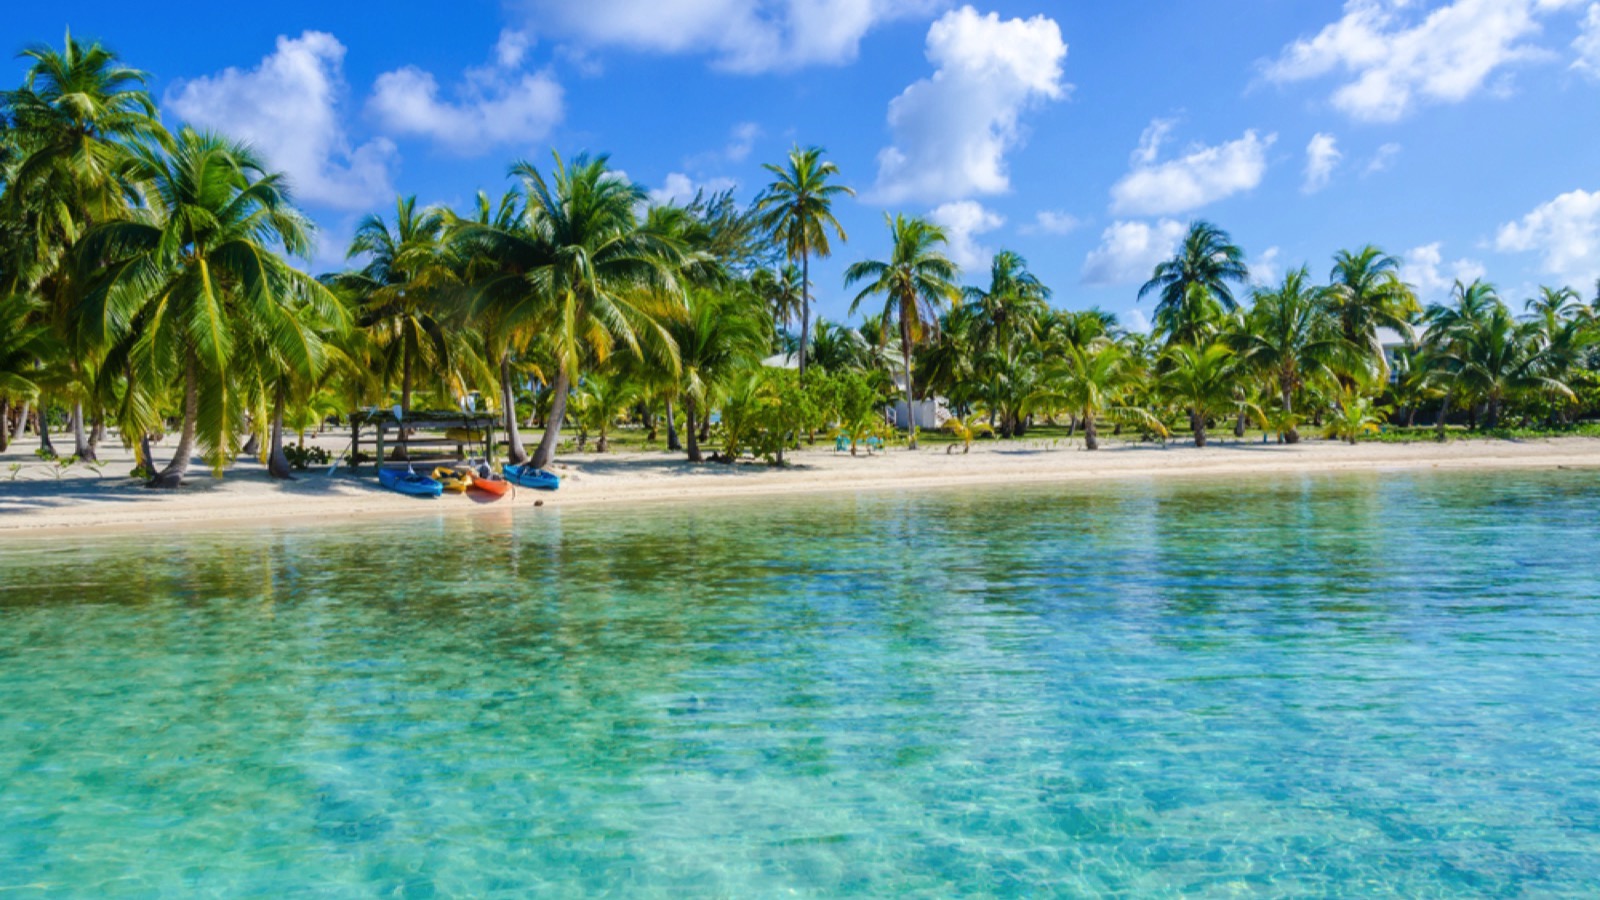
1383, 159
953, 129
1588, 43
1394, 56
1265, 269
495, 105
1155, 134
963, 221
1201, 176
1426, 270
741, 35
681, 189
1129, 251
1566, 231
1136, 321
743, 141
1049, 221
1322, 157
288, 108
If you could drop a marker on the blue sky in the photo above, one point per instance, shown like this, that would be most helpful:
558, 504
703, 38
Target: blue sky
1458, 135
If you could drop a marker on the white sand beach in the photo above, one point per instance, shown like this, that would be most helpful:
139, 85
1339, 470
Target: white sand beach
37, 501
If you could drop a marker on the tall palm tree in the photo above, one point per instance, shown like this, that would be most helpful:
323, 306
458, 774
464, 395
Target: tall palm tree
404, 290
784, 291
797, 208
75, 124
607, 280
1500, 359
1092, 380
916, 282
1194, 282
1449, 327
1290, 338
193, 270
1366, 294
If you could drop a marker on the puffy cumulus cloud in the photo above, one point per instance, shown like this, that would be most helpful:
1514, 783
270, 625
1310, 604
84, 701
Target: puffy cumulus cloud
494, 105
288, 108
1322, 157
953, 129
740, 35
1587, 43
1050, 221
1564, 231
1425, 269
963, 221
1201, 176
1393, 56
1129, 251
680, 189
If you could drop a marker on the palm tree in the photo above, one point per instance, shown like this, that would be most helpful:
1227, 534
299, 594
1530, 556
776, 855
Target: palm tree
189, 273
1194, 283
1501, 359
607, 280
1289, 337
718, 338
1449, 328
783, 290
75, 124
1092, 380
1366, 294
403, 288
838, 348
797, 208
916, 282
1010, 308
1202, 380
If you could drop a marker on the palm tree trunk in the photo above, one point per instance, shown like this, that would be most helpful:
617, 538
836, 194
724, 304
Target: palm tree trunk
1238, 426
905, 353
5, 424
546, 451
1199, 428
146, 459
277, 462
515, 452
673, 444
405, 399
1091, 435
42, 423
1292, 436
1444, 409
805, 305
252, 445
172, 475
689, 431
22, 423
80, 437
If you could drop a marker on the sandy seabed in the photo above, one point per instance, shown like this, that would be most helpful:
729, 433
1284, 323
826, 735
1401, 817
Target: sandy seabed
39, 500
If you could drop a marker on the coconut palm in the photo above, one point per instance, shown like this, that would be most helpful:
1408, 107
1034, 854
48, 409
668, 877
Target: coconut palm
916, 282
607, 281
1203, 380
1290, 338
1193, 284
797, 209
1500, 359
783, 290
1366, 294
1092, 380
187, 275
838, 348
720, 336
1449, 326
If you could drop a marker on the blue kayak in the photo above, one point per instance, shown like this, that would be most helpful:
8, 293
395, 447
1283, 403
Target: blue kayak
409, 483
529, 477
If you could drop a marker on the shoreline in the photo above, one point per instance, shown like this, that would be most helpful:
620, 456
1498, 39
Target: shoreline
41, 506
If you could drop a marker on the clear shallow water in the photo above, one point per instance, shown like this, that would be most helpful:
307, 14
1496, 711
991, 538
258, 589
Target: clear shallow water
1356, 685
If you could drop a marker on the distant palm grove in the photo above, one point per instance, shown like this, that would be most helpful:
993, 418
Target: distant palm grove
146, 288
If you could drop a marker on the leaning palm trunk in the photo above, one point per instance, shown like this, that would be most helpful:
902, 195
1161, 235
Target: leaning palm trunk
508, 405
546, 452
42, 423
172, 475
277, 462
805, 305
18, 429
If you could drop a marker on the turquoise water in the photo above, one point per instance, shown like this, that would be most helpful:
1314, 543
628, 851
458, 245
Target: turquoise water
1381, 684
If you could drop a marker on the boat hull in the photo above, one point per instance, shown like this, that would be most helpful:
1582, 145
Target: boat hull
529, 477
410, 483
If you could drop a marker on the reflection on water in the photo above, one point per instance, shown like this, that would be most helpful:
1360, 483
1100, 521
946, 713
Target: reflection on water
1368, 684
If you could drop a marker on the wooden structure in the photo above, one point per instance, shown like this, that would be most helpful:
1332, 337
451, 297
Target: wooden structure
426, 429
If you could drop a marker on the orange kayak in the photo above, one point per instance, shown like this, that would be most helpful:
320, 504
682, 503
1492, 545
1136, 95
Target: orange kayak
494, 484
